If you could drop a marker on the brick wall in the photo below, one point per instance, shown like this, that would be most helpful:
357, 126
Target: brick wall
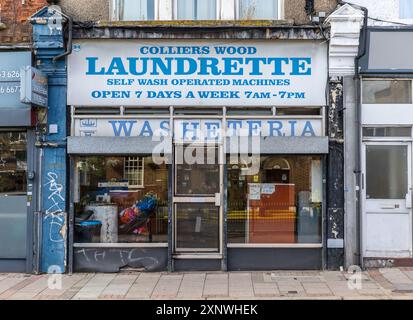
14, 25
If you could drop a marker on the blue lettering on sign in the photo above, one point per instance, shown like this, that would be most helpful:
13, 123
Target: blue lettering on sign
275, 128
230, 66
308, 129
194, 130
292, 124
124, 126
210, 129
146, 130
253, 127
164, 125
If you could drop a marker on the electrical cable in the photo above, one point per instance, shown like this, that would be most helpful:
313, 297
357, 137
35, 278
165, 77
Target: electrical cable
388, 21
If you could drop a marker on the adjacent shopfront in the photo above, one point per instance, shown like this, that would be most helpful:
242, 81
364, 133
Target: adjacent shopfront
197, 155
16, 160
386, 148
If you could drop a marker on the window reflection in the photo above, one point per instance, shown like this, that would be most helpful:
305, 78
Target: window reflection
121, 199
280, 204
196, 9
258, 9
13, 163
391, 164
387, 91
132, 10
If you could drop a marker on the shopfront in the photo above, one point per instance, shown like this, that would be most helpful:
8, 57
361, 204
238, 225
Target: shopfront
197, 155
386, 148
16, 160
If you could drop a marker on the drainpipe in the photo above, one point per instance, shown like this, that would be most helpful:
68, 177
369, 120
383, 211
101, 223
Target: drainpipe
69, 38
357, 169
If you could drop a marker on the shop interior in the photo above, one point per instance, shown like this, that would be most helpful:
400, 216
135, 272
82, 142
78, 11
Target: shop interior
121, 199
282, 203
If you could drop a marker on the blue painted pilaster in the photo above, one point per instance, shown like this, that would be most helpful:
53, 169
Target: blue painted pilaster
48, 43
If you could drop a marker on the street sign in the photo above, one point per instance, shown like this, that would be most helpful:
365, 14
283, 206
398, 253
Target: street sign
33, 87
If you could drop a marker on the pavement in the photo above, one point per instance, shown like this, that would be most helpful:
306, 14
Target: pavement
389, 283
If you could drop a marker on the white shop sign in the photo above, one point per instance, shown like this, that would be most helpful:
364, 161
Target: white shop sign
197, 73
195, 130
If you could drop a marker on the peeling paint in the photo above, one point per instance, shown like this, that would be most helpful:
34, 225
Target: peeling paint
123, 30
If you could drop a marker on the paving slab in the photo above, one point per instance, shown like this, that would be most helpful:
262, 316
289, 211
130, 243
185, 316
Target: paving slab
119, 286
143, 286
240, 285
395, 276
216, 285
95, 286
167, 286
192, 285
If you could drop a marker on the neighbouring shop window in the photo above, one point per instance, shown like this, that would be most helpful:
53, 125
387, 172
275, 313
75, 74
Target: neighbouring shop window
135, 10
13, 163
387, 91
121, 199
406, 9
196, 9
387, 132
386, 171
282, 203
258, 9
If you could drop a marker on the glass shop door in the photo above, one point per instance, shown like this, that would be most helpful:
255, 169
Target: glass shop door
198, 198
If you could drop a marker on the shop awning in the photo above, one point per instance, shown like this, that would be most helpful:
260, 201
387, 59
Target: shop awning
146, 145
15, 117
286, 145
113, 145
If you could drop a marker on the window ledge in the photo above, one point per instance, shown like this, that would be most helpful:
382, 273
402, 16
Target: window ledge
197, 23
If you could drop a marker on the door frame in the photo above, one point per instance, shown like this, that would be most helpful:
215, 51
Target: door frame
391, 142
176, 199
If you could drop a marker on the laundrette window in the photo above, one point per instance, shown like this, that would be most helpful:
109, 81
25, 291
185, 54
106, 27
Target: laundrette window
281, 203
406, 9
135, 10
387, 91
196, 9
258, 9
13, 163
109, 208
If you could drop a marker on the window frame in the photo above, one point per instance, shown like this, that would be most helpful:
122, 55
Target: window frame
280, 11
115, 12
139, 171
323, 236
175, 11
75, 197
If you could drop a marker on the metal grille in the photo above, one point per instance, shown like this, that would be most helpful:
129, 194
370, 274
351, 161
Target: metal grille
133, 171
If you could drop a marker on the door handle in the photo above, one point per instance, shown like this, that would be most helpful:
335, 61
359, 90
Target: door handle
409, 200
388, 206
